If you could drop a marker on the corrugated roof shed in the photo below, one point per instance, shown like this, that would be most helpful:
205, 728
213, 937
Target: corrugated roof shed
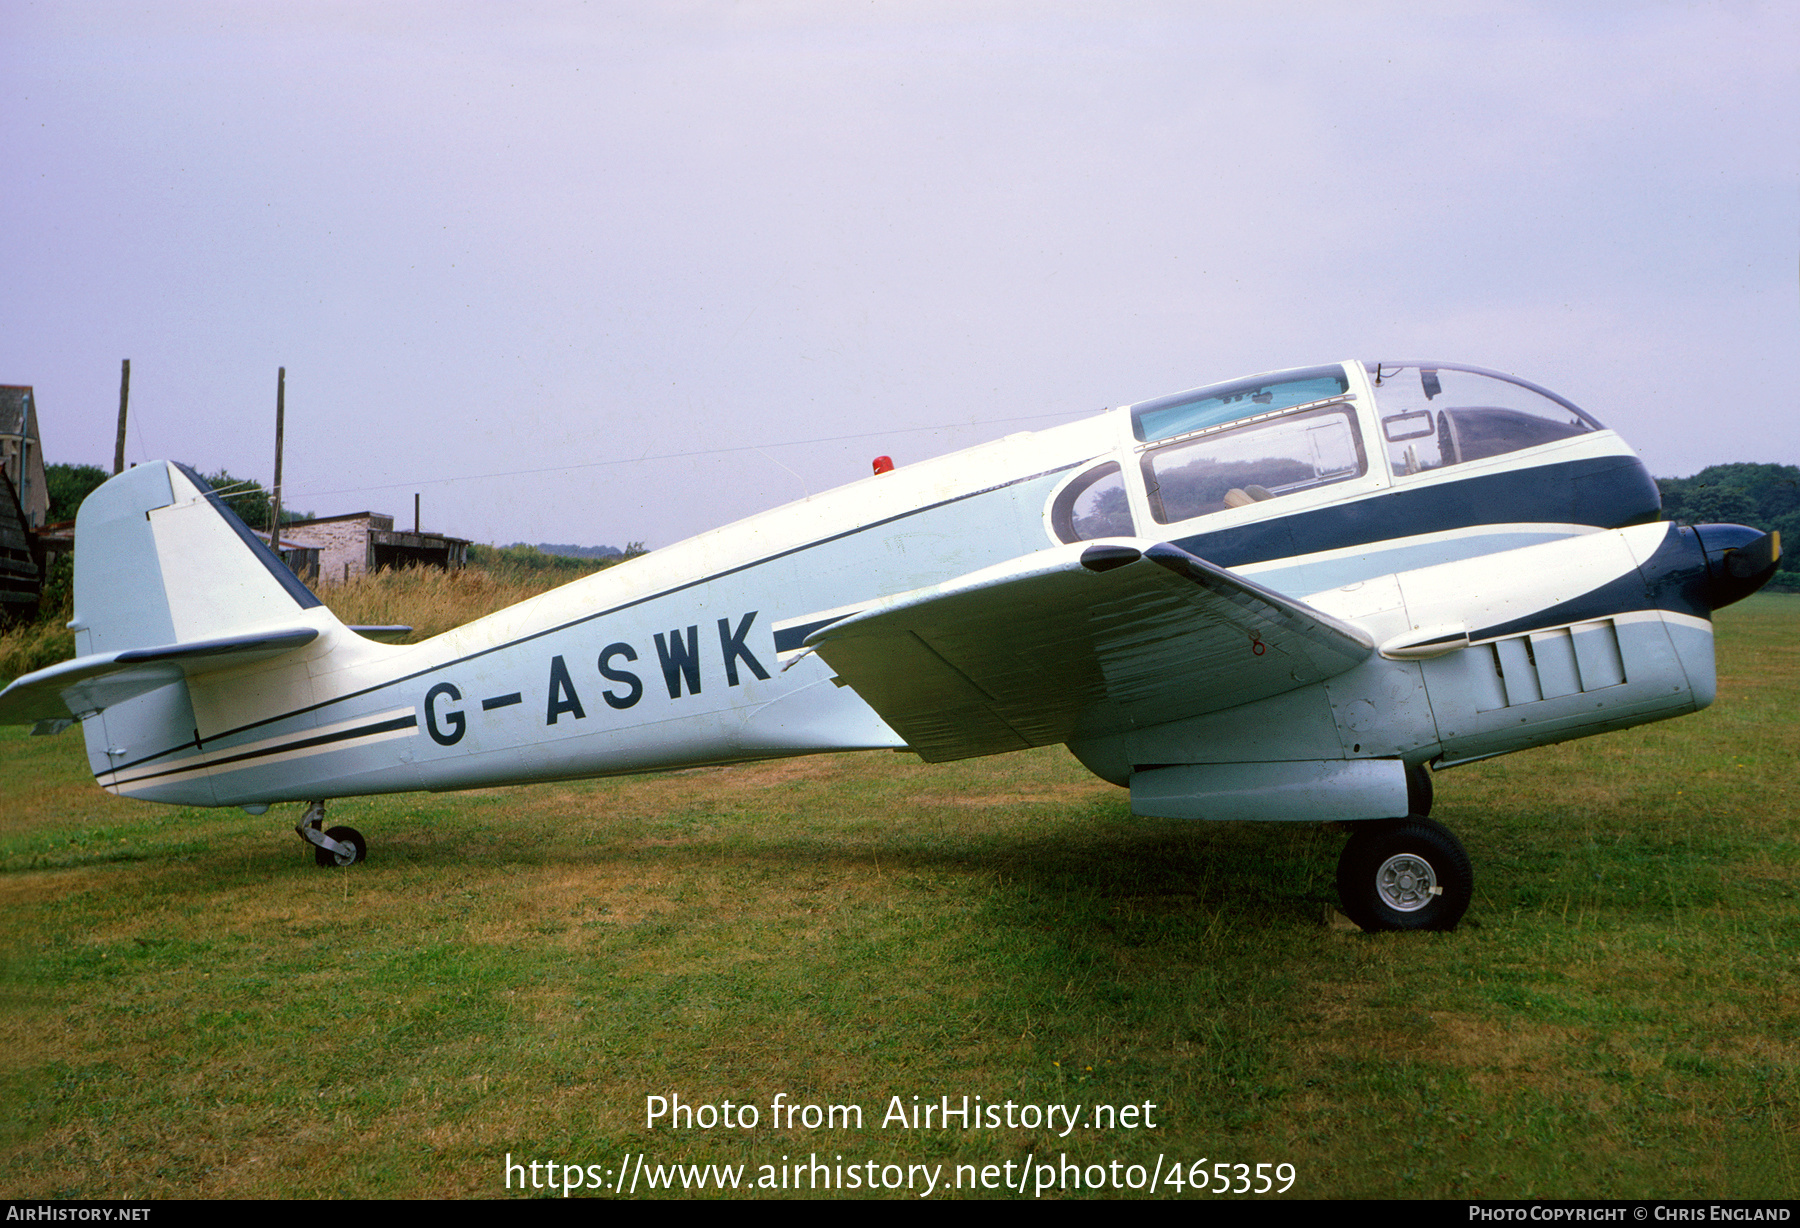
359, 542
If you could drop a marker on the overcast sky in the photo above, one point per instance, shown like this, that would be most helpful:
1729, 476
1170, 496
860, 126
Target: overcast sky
530, 259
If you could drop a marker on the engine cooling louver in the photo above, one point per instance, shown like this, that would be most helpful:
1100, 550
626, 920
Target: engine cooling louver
1546, 664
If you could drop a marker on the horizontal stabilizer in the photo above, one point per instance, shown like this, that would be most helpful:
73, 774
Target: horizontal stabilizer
1078, 641
88, 684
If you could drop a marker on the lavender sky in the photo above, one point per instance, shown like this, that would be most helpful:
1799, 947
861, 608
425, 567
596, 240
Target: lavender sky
530, 259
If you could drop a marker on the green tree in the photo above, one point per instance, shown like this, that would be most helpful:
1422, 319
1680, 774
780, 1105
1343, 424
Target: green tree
249, 500
1771, 492
244, 496
68, 485
1761, 496
1719, 505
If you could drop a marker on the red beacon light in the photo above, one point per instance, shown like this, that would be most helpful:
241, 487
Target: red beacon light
884, 464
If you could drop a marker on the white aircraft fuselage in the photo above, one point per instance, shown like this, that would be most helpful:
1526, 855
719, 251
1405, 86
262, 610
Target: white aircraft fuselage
1275, 598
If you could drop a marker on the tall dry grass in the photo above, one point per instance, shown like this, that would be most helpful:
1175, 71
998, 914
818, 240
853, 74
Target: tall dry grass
32, 646
432, 601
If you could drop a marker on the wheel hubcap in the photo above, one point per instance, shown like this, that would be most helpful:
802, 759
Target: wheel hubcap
1406, 882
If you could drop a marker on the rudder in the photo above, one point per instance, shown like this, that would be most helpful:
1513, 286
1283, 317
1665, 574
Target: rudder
161, 559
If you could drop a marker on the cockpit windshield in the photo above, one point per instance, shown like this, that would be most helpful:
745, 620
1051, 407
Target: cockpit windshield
1435, 415
1199, 408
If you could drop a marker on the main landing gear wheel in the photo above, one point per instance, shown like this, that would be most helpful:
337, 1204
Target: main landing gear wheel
1408, 874
351, 839
1418, 790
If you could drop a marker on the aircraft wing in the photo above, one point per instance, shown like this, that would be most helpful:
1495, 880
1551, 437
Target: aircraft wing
1078, 641
87, 684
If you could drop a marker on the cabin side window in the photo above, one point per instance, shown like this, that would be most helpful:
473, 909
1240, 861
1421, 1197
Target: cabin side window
1093, 505
1434, 417
1236, 467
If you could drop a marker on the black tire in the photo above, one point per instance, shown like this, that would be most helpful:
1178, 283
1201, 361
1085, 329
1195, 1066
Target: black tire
1387, 871
343, 835
1418, 790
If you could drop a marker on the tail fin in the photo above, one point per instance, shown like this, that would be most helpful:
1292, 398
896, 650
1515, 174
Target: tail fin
170, 588
161, 560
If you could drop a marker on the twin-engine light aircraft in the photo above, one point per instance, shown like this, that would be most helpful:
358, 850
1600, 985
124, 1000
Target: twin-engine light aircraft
1285, 598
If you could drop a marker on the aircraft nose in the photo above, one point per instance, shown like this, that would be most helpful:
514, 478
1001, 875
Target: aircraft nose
1739, 560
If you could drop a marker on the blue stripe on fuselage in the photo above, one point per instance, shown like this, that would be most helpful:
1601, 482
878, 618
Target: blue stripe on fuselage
1608, 492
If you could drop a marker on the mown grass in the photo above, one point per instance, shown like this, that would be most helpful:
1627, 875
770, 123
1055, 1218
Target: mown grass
194, 1010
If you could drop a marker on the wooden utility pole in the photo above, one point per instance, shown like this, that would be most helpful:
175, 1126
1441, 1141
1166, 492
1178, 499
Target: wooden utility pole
275, 500
124, 397
415, 513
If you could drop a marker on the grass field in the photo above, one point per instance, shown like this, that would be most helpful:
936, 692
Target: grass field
194, 1010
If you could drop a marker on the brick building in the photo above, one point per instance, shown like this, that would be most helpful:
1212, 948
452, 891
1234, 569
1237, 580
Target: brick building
360, 542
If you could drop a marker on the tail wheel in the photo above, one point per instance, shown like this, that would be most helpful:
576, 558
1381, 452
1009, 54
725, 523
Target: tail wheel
351, 839
1411, 874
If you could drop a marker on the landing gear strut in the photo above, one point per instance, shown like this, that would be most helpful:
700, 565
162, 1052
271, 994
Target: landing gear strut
341, 846
1405, 874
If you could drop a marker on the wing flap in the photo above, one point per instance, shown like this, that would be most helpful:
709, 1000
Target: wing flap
1078, 641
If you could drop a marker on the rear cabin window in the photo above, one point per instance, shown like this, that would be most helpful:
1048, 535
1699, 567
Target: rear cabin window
1435, 417
1093, 505
1269, 459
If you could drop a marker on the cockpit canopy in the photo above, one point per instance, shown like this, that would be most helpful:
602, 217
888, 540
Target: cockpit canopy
1249, 440
1438, 414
